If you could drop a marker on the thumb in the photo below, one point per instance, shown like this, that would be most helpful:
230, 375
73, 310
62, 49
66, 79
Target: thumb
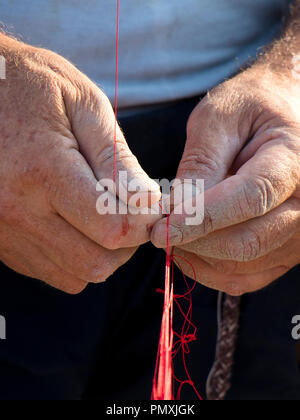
213, 142
211, 146
103, 145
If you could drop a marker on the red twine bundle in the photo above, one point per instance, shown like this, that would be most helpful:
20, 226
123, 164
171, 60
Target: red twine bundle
164, 377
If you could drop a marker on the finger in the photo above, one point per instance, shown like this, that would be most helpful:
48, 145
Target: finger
27, 259
253, 239
233, 284
211, 146
103, 145
72, 251
75, 198
54, 276
286, 256
262, 184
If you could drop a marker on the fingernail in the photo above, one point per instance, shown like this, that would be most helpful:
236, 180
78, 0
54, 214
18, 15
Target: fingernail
141, 184
144, 189
185, 191
175, 235
160, 235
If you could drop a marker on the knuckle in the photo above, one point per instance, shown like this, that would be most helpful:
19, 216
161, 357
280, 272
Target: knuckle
259, 196
122, 153
76, 288
88, 94
90, 265
98, 100
244, 247
208, 225
266, 196
63, 281
95, 110
234, 288
92, 274
200, 159
204, 112
107, 154
246, 202
101, 272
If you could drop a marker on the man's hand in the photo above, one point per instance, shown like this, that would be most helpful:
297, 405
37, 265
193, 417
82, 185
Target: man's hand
244, 141
56, 141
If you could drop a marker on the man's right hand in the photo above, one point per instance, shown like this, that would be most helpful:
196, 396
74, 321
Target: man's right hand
56, 141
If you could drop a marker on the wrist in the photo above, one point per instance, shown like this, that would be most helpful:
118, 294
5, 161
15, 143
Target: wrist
265, 78
9, 46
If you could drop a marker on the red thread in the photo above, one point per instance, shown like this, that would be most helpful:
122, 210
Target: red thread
163, 385
164, 378
116, 88
187, 336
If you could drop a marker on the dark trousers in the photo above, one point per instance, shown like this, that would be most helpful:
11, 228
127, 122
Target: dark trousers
102, 343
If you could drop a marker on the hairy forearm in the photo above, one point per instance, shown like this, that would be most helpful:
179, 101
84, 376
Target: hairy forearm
280, 55
14, 52
9, 44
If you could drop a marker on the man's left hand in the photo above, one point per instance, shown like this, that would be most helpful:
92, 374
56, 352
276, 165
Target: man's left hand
244, 141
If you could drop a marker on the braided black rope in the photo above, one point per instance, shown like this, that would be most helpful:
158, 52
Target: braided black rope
219, 381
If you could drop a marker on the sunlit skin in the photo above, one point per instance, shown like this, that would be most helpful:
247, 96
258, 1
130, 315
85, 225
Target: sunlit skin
56, 141
243, 139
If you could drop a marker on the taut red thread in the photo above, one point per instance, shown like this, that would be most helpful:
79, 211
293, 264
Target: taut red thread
116, 88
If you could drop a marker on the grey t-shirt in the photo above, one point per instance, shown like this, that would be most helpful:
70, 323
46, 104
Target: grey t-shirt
169, 49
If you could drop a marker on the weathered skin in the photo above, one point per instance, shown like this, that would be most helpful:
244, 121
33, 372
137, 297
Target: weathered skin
56, 141
244, 140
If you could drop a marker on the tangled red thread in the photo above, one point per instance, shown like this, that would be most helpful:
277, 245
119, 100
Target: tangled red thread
164, 377
172, 343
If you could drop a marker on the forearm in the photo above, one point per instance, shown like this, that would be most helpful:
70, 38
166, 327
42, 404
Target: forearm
280, 56
9, 45
15, 54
